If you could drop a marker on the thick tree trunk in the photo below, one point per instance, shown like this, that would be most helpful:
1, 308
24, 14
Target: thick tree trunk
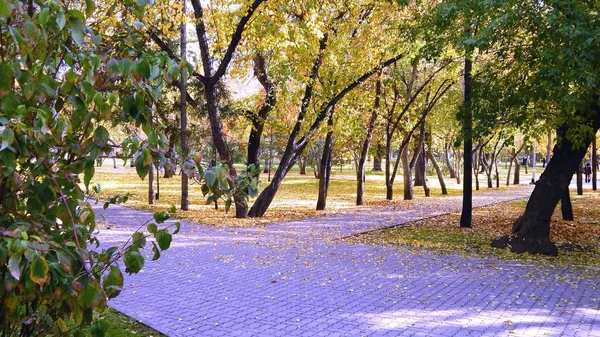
566, 207
378, 158
325, 167
183, 115
517, 179
420, 170
531, 232
467, 126
438, 172
360, 167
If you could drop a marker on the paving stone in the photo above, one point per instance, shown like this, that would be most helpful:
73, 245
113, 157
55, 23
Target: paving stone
298, 279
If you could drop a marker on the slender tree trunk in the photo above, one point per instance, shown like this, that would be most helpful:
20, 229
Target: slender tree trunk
157, 184
151, 185
517, 179
467, 125
476, 163
389, 182
360, 167
531, 232
594, 164
438, 171
510, 164
378, 158
580, 179
302, 165
407, 174
565, 205
325, 167
183, 114
458, 166
448, 162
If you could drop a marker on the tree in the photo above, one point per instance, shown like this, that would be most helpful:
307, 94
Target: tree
61, 90
546, 47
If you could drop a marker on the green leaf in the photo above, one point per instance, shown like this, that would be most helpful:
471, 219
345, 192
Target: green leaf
152, 228
134, 262
88, 172
87, 297
99, 328
7, 137
7, 79
4, 9
61, 20
14, 266
161, 216
143, 68
210, 177
89, 7
156, 251
31, 31
38, 270
142, 163
76, 28
138, 240
3, 255
177, 228
113, 282
43, 16
164, 239
101, 136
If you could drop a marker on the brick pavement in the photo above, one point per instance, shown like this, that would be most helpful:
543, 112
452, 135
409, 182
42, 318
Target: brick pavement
296, 279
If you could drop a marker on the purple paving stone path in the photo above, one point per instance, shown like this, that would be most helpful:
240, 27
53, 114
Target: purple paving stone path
297, 279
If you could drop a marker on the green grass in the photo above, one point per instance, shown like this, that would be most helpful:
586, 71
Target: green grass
124, 326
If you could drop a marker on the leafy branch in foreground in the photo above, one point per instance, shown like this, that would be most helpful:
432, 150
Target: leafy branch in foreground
63, 85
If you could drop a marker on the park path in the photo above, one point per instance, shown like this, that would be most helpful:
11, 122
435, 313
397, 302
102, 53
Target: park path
297, 279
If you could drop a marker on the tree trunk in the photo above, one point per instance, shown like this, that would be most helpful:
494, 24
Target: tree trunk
510, 164
458, 166
258, 120
476, 164
566, 207
549, 147
389, 181
407, 174
531, 232
580, 179
151, 185
183, 114
438, 172
302, 165
467, 125
448, 162
360, 167
517, 179
378, 157
594, 164
157, 195
420, 170
325, 167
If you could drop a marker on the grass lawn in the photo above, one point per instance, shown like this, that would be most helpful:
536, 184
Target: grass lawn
295, 199
122, 326
578, 240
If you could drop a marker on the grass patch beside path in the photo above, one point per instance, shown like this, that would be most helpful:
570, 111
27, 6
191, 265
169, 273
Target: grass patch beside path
578, 240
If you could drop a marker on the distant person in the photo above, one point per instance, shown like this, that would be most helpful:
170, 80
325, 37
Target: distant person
587, 170
543, 162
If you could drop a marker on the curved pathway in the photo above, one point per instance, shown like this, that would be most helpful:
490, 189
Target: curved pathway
298, 279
